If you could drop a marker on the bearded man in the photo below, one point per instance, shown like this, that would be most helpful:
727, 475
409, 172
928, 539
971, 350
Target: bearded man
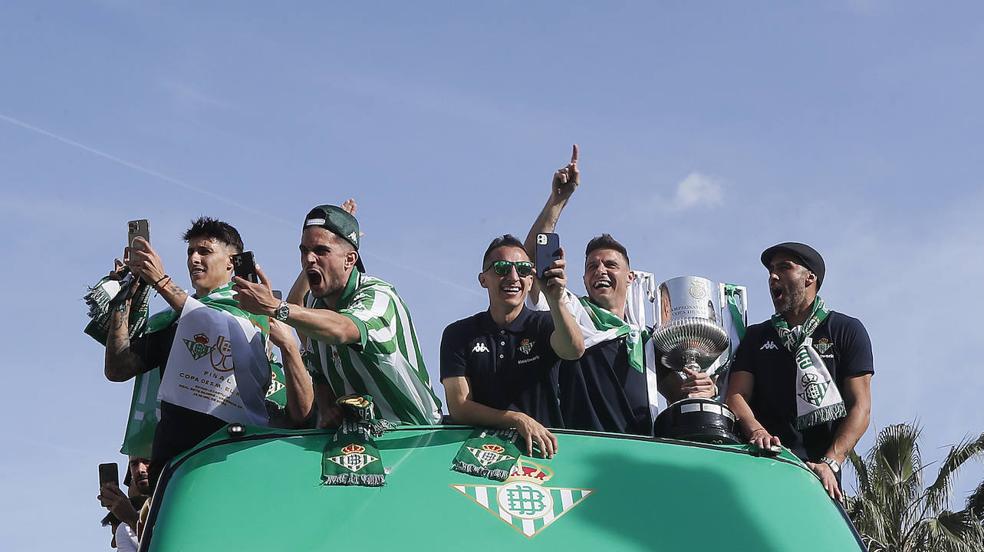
803, 379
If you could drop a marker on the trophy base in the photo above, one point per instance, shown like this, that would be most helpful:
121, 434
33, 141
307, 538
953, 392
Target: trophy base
700, 420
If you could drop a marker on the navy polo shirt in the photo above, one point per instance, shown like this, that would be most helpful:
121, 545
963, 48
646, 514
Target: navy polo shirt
842, 343
601, 391
510, 368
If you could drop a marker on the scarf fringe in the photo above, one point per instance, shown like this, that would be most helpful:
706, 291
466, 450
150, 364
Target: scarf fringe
821, 415
357, 479
498, 474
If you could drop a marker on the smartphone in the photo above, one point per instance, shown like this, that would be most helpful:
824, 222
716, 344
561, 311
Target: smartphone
547, 251
278, 294
109, 473
136, 229
245, 267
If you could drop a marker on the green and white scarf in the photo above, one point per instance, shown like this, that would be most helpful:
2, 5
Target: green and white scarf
605, 326
817, 398
488, 453
352, 457
144, 406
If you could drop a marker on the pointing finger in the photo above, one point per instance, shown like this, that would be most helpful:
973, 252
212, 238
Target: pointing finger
263, 278
574, 154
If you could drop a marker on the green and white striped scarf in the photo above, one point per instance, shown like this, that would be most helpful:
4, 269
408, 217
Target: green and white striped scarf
817, 398
605, 326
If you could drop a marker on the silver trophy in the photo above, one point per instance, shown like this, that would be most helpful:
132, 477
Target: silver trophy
689, 334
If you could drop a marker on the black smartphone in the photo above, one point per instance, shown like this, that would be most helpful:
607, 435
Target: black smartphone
109, 473
547, 251
245, 267
278, 294
136, 229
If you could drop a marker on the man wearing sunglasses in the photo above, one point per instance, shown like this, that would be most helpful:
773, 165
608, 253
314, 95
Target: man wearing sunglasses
498, 367
608, 388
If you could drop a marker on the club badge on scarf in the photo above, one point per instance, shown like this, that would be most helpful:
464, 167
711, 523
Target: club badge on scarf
817, 398
488, 453
352, 457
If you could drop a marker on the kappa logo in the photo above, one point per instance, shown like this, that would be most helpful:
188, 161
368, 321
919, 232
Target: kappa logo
523, 501
353, 458
526, 346
480, 348
769, 345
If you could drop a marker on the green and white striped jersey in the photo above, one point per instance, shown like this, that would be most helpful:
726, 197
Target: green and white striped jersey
386, 363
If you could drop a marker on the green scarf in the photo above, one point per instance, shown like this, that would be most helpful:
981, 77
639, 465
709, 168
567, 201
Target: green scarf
817, 398
352, 457
608, 326
110, 293
488, 453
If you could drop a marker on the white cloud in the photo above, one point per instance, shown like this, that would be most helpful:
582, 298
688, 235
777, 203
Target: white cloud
696, 190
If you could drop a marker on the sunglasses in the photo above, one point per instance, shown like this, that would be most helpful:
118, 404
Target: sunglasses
523, 268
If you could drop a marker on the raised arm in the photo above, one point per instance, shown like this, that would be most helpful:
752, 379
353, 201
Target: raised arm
566, 340
323, 325
121, 363
146, 263
565, 181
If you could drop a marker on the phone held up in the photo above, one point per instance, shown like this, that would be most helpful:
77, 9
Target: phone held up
109, 473
136, 229
547, 251
245, 267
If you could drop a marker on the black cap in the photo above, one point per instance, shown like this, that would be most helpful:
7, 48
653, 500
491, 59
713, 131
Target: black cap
806, 255
338, 221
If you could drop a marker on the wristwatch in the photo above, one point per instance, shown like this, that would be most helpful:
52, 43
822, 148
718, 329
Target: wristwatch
282, 312
834, 465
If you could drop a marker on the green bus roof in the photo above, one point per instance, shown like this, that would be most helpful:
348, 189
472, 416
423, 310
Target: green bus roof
263, 491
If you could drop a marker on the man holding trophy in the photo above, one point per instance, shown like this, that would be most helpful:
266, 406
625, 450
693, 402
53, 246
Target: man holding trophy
803, 379
607, 388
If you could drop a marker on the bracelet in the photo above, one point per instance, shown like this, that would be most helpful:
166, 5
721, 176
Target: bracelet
163, 278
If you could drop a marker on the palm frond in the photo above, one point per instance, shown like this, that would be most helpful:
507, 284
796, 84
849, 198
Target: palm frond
975, 503
938, 494
861, 470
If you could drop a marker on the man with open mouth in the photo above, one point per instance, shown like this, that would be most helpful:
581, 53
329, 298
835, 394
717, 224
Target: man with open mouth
358, 332
608, 389
803, 379
499, 366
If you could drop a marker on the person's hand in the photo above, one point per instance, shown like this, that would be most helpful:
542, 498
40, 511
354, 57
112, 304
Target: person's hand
114, 500
566, 179
828, 479
145, 262
554, 282
763, 439
256, 298
331, 417
698, 385
534, 433
349, 206
282, 335
117, 272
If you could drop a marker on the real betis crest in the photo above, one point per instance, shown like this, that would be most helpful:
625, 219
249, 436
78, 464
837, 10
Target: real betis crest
198, 346
813, 390
526, 346
353, 457
822, 345
523, 500
490, 454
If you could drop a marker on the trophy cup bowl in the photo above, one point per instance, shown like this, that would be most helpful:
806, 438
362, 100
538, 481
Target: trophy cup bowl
689, 336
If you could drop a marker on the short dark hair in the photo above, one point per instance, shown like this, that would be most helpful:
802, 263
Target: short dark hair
505, 240
217, 230
606, 241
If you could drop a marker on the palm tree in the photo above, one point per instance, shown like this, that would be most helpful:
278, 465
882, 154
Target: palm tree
894, 512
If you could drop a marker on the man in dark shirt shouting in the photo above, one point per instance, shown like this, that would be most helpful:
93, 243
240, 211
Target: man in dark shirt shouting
499, 367
803, 379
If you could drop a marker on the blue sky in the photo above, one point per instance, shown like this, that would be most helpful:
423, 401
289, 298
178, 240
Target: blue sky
707, 131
